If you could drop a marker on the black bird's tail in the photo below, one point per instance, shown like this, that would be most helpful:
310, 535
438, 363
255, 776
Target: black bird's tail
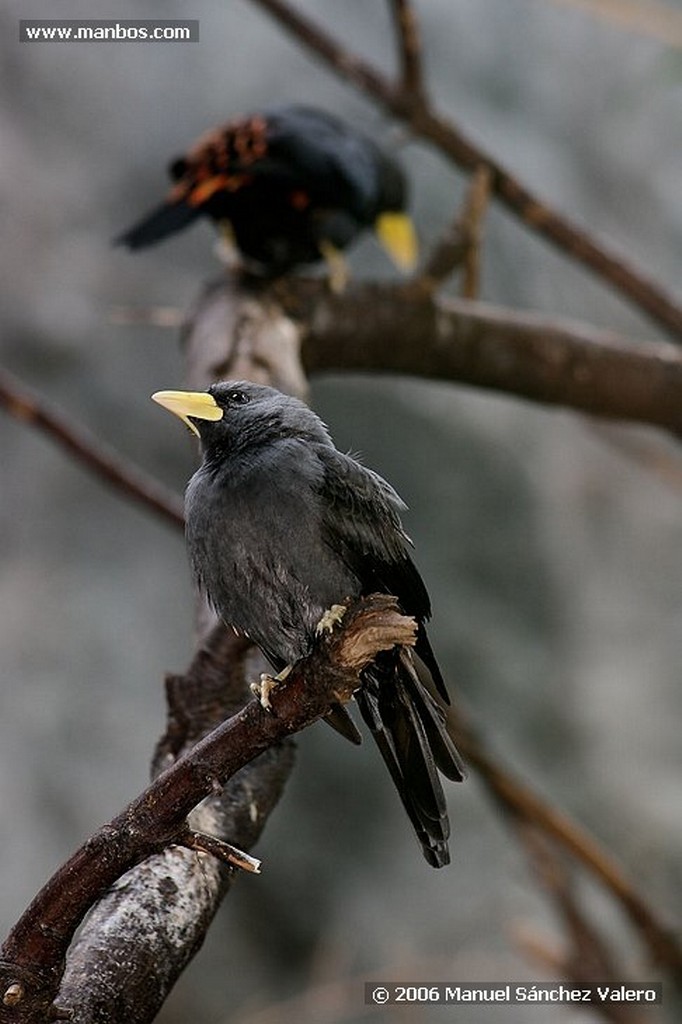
410, 730
163, 221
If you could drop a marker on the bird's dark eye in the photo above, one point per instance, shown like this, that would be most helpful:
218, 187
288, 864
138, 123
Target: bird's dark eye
237, 398
177, 168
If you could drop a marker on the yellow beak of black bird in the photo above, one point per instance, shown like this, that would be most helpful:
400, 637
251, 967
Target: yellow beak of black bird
185, 404
282, 527
290, 186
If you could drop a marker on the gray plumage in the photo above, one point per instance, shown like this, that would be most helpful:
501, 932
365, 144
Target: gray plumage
281, 526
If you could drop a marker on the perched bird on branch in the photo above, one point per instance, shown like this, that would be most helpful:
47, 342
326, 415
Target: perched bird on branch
290, 186
281, 528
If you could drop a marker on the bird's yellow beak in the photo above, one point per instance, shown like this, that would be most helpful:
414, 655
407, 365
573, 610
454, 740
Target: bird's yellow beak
197, 404
396, 233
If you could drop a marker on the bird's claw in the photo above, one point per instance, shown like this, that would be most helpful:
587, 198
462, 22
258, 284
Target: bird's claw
337, 267
263, 689
267, 684
331, 618
225, 247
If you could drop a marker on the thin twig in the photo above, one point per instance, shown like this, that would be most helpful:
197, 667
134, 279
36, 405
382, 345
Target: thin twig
473, 216
460, 244
348, 65
523, 804
201, 842
427, 123
587, 960
409, 47
27, 407
446, 256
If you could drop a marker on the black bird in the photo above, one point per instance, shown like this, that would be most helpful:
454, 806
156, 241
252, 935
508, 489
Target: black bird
281, 526
294, 184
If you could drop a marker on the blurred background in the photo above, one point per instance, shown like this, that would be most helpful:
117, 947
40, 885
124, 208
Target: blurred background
554, 561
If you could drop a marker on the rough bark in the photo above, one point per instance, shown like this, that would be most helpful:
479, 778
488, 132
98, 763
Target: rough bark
107, 976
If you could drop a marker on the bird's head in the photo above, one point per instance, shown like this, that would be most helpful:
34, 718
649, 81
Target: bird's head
234, 415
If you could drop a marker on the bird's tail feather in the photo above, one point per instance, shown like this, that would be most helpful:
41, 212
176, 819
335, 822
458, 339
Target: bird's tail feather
432, 717
341, 721
409, 729
163, 221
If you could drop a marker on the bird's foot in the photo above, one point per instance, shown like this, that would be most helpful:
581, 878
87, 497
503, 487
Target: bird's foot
337, 267
226, 247
331, 618
267, 684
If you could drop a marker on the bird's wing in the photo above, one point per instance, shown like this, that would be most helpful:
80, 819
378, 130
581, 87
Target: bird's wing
163, 221
327, 155
361, 523
297, 146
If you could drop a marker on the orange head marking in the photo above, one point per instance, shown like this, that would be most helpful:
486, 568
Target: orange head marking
205, 190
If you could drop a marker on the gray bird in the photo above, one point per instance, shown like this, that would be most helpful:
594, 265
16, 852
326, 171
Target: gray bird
281, 526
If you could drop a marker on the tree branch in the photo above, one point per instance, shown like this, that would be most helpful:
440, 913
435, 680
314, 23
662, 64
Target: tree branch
587, 959
34, 951
460, 244
369, 327
389, 328
428, 124
26, 407
548, 360
543, 359
159, 912
526, 810
409, 47
540, 359
242, 323
238, 334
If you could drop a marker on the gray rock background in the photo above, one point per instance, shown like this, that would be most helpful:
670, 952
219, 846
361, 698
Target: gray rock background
555, 563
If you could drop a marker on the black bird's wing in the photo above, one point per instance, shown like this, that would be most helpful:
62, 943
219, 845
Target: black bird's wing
361, 523
166, 219
338, 165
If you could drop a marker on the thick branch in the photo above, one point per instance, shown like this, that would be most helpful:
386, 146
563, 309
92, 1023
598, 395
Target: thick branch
160, 910
37, 944
426, 123
556, 362
389, 329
